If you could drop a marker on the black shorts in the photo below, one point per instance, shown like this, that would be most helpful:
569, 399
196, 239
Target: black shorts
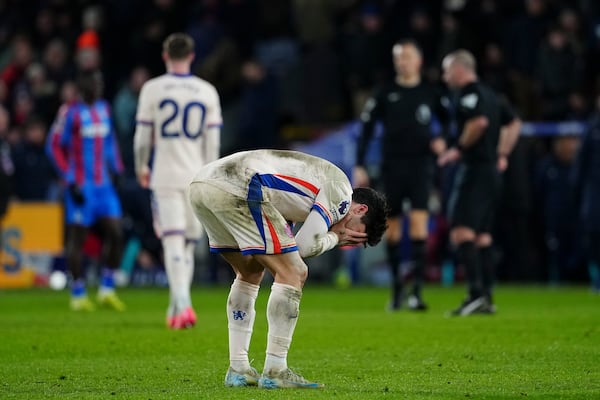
474, 197
407, 180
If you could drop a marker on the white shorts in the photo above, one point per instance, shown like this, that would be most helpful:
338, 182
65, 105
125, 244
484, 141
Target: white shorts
173, 214
232, 223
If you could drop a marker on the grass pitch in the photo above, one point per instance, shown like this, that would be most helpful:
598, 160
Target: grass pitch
543, 344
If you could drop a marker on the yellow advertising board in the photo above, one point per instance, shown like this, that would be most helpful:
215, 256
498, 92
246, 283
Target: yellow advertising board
28, 228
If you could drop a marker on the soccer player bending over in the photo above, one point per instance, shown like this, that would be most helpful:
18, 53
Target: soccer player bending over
247, 203
179, 116
83, 146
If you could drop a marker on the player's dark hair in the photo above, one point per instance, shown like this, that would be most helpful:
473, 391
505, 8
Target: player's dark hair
178, 46
89, 84
375, 219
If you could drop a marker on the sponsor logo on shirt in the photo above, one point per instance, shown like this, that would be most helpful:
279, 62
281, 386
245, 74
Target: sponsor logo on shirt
95, 130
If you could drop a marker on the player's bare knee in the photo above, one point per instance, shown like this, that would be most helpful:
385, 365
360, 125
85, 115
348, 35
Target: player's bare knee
254, 277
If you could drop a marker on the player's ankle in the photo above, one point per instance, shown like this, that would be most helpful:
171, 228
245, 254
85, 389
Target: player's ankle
275, 363
239, 365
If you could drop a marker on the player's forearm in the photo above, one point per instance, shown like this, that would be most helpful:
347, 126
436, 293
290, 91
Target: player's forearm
314, 237
319, 244
473, 130
142, 147
212, 144
509, 135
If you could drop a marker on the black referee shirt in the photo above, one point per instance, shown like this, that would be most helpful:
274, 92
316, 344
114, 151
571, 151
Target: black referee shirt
405, 113
477, 99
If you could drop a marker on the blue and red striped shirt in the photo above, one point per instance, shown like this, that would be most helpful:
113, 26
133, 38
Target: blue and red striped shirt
83, 145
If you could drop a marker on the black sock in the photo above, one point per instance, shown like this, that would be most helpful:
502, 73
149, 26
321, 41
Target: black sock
393, 258
467, 256
418, 255
487, 270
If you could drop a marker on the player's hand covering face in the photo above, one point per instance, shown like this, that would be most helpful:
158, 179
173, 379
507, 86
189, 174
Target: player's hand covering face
351, 230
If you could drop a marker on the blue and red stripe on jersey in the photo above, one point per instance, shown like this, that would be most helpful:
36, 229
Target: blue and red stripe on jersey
83, 145
254, 199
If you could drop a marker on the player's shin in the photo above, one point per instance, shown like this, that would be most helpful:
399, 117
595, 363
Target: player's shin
282, 314
190, 246
240, 316
486, 258
174, 254
466, 253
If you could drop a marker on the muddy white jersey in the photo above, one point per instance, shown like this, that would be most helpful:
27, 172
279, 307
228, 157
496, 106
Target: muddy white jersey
181, 109
293, 182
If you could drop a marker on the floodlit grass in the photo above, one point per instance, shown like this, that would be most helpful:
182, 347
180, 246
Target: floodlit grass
543, 343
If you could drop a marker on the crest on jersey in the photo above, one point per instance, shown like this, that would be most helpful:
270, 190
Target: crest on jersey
423, 114
343, 207
239, 315
470, 100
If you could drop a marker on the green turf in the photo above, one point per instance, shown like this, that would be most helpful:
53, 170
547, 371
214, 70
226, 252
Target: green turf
543, 343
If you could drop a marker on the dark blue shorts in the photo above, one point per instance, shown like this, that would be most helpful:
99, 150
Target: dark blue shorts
100, 202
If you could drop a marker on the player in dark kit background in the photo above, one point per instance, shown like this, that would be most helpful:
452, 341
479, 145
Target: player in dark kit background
404, 107
489, 131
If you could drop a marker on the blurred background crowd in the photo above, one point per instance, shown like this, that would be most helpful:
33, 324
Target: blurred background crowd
288, 71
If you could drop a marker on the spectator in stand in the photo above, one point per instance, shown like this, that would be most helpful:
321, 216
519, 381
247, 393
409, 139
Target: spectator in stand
524, 34
559, 70
34, 173
364, 55
14, 72
56, 62
555, 196
258, 125
124, 109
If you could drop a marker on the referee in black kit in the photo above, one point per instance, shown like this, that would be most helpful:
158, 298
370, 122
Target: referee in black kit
488, 132
404, 107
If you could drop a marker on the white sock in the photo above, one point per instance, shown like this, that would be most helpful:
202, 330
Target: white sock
241, 314
189, 264
174, 255
283, 308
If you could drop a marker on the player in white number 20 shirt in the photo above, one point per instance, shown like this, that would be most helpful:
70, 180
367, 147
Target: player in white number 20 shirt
178, 122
